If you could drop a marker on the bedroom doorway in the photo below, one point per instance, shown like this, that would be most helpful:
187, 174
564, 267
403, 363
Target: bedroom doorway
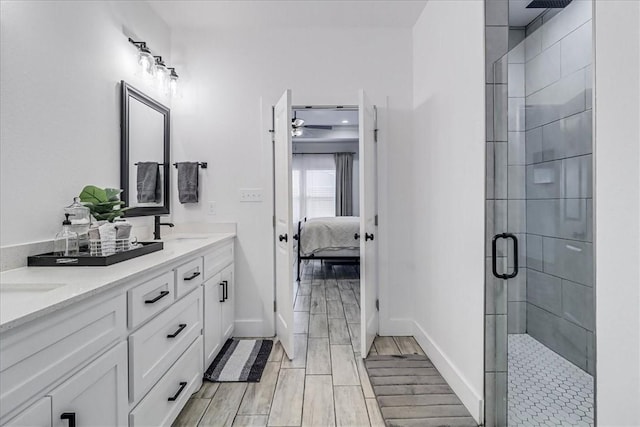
325, 200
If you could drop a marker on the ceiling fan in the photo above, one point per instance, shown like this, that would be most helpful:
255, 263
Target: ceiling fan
297, 126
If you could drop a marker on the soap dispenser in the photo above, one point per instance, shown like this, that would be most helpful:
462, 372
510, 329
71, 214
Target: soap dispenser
80, 221
66, 241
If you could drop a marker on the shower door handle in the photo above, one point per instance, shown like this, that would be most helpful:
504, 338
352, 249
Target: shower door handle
494, 258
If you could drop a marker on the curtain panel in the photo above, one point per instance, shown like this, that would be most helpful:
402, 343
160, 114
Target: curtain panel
344, 184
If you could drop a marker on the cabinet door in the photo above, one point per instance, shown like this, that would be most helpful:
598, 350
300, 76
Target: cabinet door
228, 311
95, 396
36, 415
213, 292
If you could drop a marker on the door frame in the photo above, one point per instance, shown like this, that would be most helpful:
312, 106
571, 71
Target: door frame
268, 110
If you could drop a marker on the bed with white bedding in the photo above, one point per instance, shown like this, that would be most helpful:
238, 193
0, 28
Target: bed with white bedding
328, 238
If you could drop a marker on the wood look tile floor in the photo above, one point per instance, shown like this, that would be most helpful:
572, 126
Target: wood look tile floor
326, 384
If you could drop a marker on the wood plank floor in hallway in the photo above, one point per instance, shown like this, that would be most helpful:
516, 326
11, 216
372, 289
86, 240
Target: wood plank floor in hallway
326, 384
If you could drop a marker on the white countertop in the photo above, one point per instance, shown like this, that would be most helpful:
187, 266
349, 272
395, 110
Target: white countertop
30, 292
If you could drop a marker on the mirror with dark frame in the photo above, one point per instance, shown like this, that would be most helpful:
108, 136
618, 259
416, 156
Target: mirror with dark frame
144, 154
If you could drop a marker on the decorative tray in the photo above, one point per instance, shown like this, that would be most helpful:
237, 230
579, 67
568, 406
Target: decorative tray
86, 260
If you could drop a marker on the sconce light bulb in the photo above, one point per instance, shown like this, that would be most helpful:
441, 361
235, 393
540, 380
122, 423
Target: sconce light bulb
146, 63
173, 86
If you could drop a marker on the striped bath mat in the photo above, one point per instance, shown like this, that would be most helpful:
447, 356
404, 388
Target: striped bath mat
240, 361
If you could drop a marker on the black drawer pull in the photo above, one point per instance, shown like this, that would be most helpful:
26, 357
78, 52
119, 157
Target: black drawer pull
356, 236
71, 416
224, 293
177, 332
158, 298
368, 236
225, 290
193, 276
183, 384
283, 237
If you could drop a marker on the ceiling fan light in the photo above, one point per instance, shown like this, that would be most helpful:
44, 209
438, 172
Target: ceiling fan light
296, 132
297, 122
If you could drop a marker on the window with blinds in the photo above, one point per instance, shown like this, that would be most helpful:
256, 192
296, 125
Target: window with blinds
314, 186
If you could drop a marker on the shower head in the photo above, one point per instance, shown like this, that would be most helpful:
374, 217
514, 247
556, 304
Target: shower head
547, 4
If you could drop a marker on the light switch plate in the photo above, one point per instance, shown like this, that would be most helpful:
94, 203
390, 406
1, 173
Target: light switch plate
211, 208
251, 195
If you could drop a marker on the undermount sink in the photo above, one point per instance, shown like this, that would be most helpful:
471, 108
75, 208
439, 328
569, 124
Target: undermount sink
187, 236
17, 293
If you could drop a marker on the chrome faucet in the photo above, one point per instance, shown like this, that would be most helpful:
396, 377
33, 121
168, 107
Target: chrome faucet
156, 227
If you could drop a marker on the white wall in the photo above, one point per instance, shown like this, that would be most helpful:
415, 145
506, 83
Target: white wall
449, 176
617, 211
230, 80
60, 70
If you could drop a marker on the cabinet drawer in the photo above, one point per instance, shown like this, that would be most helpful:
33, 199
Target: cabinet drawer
38, 414
188, 277
179, 383
35, 356
158, 344
149, 298
217, 259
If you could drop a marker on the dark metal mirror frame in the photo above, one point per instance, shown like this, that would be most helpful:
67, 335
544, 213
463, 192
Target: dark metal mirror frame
128, 92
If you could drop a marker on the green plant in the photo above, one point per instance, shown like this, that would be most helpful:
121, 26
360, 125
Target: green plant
103, 203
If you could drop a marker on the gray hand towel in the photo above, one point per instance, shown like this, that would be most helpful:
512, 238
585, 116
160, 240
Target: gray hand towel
188, 182
148, 182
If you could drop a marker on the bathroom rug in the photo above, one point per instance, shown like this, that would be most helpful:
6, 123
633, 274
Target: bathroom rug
240, 361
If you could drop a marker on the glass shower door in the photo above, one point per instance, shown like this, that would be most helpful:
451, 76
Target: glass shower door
540, 312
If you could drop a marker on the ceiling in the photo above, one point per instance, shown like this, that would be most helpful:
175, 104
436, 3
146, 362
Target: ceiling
335, 117
289, 14
519, 15
330, 117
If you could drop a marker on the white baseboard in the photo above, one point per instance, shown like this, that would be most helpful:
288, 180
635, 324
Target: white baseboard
252, 328
469, 397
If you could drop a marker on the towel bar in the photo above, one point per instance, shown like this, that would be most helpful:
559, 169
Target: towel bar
203, 165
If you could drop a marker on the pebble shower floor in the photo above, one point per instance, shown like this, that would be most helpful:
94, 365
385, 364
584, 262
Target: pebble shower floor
544, 388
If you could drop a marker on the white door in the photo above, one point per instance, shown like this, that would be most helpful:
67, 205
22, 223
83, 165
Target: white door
284, 227
97, 395
228, 315
212, 330
368, 238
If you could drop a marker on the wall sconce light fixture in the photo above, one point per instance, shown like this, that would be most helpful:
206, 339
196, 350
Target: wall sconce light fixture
173, 81
154, 66
162, 72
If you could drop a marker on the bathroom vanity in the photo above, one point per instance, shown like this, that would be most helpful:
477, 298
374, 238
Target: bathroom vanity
124, 345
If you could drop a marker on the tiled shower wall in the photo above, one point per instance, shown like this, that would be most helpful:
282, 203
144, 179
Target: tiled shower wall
558, 157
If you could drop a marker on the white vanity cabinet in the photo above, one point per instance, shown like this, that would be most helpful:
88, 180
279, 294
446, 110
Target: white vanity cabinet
212, 329
219, 301
96, 395
227, 315
129, 355
38, 414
